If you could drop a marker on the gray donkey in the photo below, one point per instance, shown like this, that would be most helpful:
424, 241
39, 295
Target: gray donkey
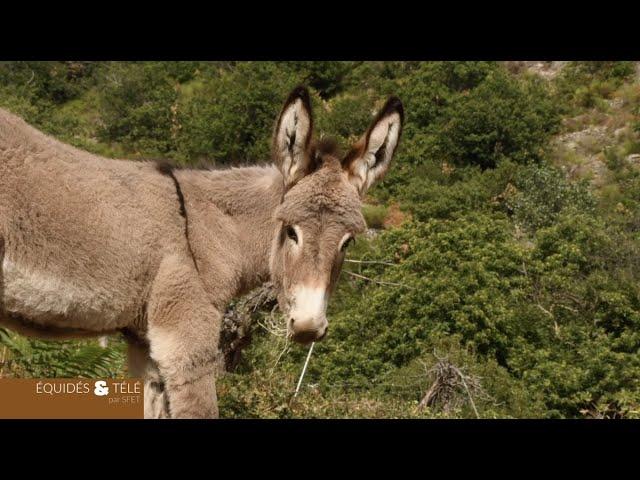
91, 246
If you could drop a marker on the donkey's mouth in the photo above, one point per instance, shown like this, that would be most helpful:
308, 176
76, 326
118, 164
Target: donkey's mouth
324, 334
304, 338
308, 336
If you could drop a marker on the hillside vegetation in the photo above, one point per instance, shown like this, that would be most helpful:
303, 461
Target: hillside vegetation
501, 273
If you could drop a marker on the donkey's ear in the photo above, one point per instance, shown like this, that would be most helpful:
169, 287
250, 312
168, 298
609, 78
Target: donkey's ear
292, 137
369, 159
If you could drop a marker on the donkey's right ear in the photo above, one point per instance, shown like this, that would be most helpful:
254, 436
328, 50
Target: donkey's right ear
292, 137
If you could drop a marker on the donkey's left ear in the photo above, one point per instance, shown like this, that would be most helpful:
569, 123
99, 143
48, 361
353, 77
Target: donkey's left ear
369, 159
292, 137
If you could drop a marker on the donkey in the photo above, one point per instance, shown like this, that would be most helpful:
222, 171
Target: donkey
91, 246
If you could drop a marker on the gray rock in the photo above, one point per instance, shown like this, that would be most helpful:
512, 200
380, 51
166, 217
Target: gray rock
633, 158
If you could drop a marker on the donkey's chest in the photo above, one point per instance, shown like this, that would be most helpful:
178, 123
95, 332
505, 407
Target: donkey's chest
49, 299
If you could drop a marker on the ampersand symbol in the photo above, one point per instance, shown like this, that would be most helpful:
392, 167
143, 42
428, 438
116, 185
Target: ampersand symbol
101, 388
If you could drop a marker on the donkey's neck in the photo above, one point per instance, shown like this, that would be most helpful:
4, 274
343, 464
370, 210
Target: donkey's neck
237, 206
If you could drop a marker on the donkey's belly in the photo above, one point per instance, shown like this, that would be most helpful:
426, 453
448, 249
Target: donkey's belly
47, 300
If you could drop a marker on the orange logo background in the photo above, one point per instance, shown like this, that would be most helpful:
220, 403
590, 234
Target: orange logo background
71, 398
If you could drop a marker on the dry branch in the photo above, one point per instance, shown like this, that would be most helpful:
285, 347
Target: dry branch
374, 262
238, 321
379, 282
451, 388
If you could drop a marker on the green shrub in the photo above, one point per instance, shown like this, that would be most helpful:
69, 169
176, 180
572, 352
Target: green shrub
136, 108
543, 194
345, 117
433, 194
231, 118
433, 85
504, 117
374, 215
326, 77
586, 84
48, 82
610, 69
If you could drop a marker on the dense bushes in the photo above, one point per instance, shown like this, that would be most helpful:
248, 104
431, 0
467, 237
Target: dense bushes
136, 109
590, 84
476, 114
460, 112
432, 86
501, 118
452, 277
230, 118
553, 313
580, 286
32, 89
47, 82
541, 194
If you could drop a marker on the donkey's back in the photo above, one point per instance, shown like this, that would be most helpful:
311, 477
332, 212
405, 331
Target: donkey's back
80, 235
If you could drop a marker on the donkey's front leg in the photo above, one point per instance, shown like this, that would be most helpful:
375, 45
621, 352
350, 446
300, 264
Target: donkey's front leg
183, 333
142, 366
189, 380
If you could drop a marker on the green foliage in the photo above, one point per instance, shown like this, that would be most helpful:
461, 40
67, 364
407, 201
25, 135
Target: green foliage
433, 85
605, 70
587, 84
49, 359
374, 215
231, 118
474, 113
582, 284
543, 194
439, 195
326, 77
502, 118
54, 82
445, 287
136, 108
346, 117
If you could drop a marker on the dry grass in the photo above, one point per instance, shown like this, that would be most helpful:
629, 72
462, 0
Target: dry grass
395, 217
585, 120
629, 94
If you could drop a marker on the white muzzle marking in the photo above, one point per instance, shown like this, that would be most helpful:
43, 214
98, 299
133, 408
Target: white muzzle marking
308, 310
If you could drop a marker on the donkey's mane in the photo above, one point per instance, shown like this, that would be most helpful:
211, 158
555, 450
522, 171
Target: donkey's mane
203, 165
320, 149
327, 146
165, 168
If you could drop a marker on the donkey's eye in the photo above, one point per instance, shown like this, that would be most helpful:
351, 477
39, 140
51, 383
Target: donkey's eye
291, 233
347, 242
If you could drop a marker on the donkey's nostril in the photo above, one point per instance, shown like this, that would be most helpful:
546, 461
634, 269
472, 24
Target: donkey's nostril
324, 334
291, 321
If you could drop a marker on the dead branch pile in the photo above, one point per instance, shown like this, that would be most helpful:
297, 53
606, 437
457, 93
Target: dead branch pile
238, 321
451, 388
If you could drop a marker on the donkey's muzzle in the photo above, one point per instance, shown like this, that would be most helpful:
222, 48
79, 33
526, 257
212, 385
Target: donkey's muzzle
307, 335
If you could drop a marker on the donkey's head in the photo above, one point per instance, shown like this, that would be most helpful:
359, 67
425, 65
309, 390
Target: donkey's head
320, 213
